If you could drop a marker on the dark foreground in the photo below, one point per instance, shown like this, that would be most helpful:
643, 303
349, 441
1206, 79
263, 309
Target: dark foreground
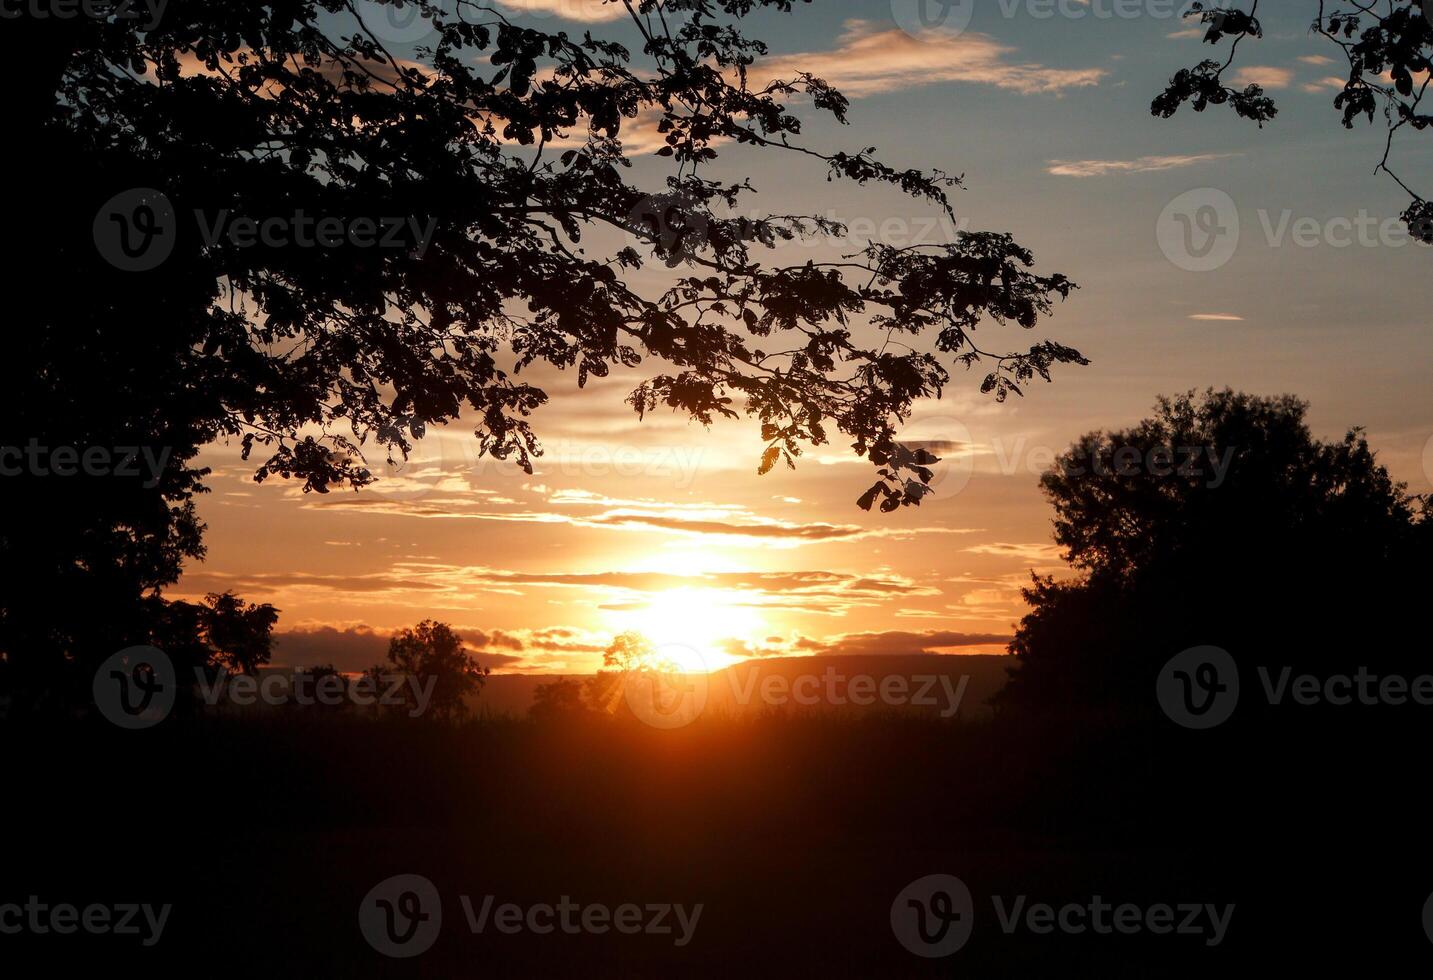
794, 836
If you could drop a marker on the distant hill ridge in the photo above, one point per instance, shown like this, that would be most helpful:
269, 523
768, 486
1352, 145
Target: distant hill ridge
946, 685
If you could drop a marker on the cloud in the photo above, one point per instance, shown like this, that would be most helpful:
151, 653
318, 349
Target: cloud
1140, 165
698, 520
350, 650
1024, 552
582, 11
1316, 59
353, 649
426, 586
1230, 317
869, 61
1266, 76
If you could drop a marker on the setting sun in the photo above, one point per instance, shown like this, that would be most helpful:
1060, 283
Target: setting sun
688, 626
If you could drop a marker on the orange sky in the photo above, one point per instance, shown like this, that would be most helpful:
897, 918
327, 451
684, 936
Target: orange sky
664, 527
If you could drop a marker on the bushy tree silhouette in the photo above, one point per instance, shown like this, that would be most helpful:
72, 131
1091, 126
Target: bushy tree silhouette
1218, 521
431, 654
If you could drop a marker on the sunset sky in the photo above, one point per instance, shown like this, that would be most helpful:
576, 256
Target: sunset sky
664, 527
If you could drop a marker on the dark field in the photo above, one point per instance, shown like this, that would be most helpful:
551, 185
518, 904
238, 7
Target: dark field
794, 834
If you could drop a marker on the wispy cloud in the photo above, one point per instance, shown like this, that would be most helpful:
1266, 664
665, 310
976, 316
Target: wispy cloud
1266, 76
1216, 316
1048, 553
869, 61
1140, 165
634, 515
582, 11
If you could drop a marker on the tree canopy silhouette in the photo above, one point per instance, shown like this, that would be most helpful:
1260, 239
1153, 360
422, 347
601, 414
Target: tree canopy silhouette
507, 146
1387, 47
1221, 521
434, 656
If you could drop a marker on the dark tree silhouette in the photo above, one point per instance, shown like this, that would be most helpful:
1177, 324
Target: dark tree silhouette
1269, 543
560, 700
508, 143
1387, 45
628, 653
429, 653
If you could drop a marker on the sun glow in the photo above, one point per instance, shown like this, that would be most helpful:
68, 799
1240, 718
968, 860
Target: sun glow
688, 626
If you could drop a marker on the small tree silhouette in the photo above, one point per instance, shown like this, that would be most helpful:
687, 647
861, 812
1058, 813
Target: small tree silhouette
431, 653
